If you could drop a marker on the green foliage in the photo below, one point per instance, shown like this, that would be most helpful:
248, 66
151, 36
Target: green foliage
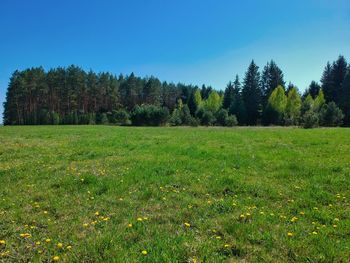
310, 119
319, 101
276, 107
307, 104
104, 119
231, 121
149, 115
293, 106
221, 117
271, 78
251, 94
213, 103
331, 115
206, 117
120, 117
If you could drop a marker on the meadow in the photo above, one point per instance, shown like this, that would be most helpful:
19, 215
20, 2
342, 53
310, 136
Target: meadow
142, 194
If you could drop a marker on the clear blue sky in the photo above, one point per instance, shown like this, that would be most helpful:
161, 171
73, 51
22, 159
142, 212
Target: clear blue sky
191, 41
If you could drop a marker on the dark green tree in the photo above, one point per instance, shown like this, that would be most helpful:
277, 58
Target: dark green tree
251, 94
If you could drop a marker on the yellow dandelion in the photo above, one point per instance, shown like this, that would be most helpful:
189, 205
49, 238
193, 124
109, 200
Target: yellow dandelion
97, 213
290, 234
37, 243
242, 216
187, 224
139, 219
247, 214
129, 225
302, 213
56, 258
314, 233
218, 237
59, 245
226, 245
69, 247
47, 240
144, 252
85, 225
25, 235
2, 242
294, 219
45, 212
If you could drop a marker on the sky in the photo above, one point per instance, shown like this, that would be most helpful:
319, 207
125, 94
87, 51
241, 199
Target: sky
189, 41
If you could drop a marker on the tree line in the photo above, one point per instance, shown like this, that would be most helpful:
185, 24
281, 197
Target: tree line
73, 96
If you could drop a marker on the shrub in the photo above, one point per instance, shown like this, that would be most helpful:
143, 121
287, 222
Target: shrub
175, 119
104, 119
149, 115
221, 117
231, 121
121, 117
208, 118
331, 115
310, 119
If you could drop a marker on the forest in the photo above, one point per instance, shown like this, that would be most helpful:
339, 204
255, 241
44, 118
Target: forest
73, 96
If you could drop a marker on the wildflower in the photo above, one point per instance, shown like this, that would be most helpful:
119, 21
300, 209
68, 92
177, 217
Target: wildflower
69, 247
56, 258
247, 214
187, 224
129, 225
314, 233
85, 225
60, 245
37, 243
334, 226
45, 212
47, 240
242, 216
97, 213
218, 237
144, 252
289, 234
139, 219
302, 213
145, 218
226, 245
294, 219
106, 218
25, 235
2, 242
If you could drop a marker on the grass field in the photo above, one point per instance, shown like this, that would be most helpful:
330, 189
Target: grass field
126, 194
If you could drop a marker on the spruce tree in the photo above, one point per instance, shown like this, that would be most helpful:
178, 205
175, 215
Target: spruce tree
251, 94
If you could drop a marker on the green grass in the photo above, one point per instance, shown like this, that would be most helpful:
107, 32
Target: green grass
237, 188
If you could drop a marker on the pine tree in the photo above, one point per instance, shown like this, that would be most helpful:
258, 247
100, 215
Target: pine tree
251, 94
228, 96
344, 100
272, 76
327, 83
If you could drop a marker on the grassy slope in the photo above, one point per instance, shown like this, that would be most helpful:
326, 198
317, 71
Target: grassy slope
54, 179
